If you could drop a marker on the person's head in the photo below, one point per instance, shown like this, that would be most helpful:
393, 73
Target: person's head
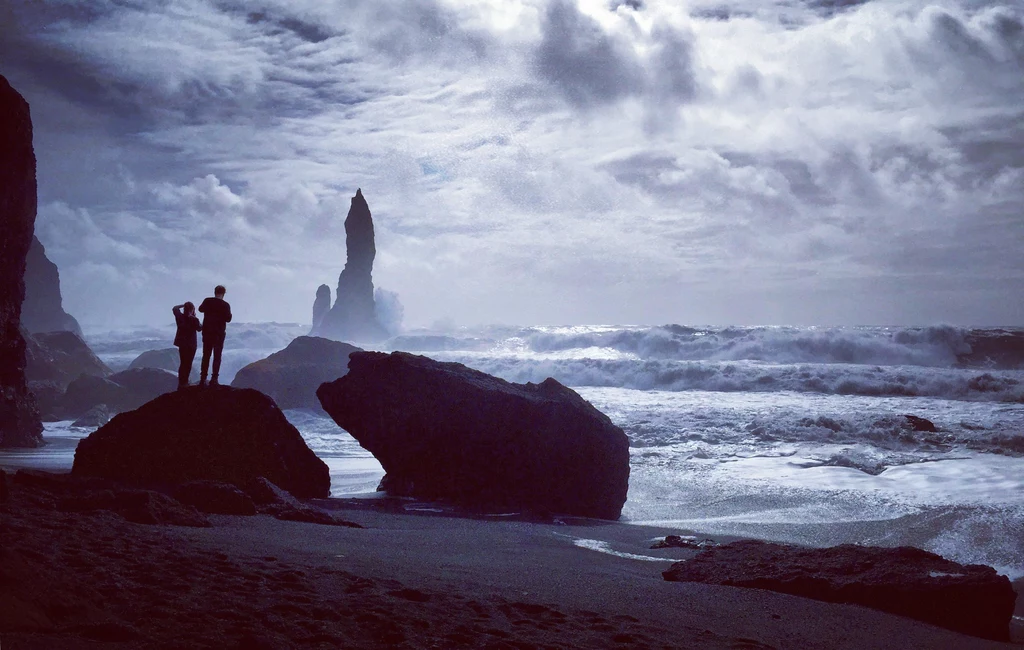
189, 308
219, 291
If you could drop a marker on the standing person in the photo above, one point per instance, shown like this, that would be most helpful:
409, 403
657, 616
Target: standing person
185, 340
217, 315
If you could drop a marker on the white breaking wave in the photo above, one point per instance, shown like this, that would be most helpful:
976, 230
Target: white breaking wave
752, 376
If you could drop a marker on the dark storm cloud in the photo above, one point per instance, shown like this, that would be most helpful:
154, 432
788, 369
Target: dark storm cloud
591, 66
308, 32
718, 143
584, 63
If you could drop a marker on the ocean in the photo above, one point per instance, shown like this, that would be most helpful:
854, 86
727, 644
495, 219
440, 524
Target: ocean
793, 434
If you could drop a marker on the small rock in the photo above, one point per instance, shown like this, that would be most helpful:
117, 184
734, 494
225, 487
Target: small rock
264, 493
310, 515
215, 498
676, 541
138, 506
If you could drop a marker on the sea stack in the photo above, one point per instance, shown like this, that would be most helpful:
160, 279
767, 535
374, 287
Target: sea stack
43, 309
353, 317
19, 420
321, 305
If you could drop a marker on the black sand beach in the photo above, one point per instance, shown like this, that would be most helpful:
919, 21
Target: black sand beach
79, 580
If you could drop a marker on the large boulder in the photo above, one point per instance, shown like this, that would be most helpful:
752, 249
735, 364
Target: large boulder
20, 425
43, 309
971, 599
61, 357
292, 375
216, 433
442, 430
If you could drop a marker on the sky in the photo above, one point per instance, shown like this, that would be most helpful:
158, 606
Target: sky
808, 162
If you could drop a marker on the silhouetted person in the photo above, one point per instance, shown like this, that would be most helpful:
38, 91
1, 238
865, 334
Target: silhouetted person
185, 339
216, 316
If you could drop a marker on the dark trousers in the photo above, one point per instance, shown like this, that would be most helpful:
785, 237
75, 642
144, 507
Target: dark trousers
212, 344
187, 355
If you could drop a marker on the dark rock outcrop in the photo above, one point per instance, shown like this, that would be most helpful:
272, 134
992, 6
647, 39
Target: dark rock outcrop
677, 541
264, 493
61, 357
310, 515
48, 396
137, 506
164, 359
123, 391
292, 375
353, 316
971, 599
3, 486
442, 430
20, 425
218, 434
321, 306
94, 418
215, 498
43, 309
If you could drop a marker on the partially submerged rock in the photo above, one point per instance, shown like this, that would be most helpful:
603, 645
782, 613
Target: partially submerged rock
442, 430
292, 375
689, 542
920, 424
220, 434
972, 599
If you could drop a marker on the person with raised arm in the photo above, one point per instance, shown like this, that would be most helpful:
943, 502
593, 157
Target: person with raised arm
185, 340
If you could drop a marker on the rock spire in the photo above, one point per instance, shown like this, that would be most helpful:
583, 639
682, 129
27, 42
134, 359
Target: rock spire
352, 317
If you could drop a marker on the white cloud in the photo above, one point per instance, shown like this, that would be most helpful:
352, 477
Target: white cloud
534, 161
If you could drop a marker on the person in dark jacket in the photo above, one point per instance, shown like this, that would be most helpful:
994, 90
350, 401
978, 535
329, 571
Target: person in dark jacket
185, 340
216, 316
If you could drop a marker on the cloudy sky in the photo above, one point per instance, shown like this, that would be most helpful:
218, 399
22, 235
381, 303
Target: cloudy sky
533, 161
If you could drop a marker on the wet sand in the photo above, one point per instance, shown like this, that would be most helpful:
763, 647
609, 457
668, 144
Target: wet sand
405, 580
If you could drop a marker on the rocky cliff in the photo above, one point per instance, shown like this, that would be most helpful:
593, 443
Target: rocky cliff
19, 420
43, 309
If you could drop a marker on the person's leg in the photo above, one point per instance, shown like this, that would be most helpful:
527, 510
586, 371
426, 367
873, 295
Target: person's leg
184, 365
188, 365
218, 347
205, 364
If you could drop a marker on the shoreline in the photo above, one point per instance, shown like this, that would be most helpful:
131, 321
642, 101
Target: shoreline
405, 580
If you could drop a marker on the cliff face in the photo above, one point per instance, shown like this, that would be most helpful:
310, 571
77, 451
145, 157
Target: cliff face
43, 310
19, 419
352, 317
